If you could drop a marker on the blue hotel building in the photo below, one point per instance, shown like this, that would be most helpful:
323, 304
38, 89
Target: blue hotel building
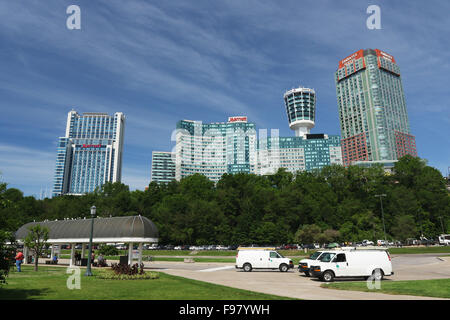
90, 153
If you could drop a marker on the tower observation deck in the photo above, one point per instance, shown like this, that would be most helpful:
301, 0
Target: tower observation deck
301, 109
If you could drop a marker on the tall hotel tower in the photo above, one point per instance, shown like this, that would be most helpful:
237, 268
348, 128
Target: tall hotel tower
90, 153
372, 108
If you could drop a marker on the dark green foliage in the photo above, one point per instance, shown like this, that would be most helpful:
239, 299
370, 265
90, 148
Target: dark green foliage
107, 250
7, 254
242, 209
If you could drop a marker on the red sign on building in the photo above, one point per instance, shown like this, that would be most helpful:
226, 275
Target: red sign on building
385, 55
351, 58
91, 146
237, 119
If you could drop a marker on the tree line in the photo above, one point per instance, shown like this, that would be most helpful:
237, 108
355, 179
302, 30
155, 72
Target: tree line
331, 204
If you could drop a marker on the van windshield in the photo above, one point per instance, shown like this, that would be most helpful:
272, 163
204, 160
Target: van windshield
315, 255
326, 257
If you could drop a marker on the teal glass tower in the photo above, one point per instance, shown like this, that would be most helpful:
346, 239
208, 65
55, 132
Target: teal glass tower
372, 108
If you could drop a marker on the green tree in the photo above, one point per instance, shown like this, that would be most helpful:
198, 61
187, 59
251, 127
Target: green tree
404, 227
307, 234
7, 251
36, 241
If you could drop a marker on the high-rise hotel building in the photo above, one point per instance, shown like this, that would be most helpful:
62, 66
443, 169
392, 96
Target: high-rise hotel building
372, 108
213, 149
90, 153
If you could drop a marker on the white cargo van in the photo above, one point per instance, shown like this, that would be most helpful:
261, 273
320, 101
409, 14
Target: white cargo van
444, 239
262, 258
304, 264
352, 262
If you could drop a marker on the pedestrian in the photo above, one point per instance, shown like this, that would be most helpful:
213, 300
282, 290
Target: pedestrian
19, 261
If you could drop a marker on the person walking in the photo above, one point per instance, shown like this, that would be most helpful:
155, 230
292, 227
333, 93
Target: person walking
19, 261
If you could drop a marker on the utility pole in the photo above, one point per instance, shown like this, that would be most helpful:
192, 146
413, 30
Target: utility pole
382, 213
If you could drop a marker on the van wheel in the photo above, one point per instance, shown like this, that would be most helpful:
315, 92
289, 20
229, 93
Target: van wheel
284, 267
247, 267
377, 274
307, 273
328, 276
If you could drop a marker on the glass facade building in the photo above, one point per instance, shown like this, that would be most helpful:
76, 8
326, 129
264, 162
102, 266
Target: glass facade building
163, 167
308, 152
90, 153
215, 148
372, 108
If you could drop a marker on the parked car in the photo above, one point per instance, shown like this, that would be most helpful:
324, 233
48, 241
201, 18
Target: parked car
249, 259
412, 242
352, 263
290, 247
382, 243
308, 246
367, 243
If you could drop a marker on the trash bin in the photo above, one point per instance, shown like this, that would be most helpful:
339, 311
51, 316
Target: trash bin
84, 262
123, 260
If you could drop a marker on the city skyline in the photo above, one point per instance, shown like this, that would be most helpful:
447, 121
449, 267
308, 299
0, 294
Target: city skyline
229, 59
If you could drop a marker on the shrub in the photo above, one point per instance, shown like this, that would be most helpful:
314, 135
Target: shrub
126, 269
108, 250
109, 275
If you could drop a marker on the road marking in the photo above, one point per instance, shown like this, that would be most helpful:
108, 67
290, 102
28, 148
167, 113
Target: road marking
216, 269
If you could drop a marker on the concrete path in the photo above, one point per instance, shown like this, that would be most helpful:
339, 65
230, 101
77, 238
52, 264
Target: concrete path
295, 285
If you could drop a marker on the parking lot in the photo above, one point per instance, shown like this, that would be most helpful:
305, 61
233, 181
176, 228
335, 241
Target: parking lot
296, 285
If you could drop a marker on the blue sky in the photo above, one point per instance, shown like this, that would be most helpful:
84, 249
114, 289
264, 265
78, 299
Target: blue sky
162, 61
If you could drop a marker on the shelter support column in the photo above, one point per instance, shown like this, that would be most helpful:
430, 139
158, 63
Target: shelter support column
72, 254
52, 252
25, 254
83, 250
130, 253
140, 253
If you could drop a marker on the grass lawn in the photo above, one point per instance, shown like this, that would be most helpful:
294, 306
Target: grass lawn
412, 250
50, 283
439, 288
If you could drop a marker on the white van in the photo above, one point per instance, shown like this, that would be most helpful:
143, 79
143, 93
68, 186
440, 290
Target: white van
352, 263
444, 239
263, 258
304, 264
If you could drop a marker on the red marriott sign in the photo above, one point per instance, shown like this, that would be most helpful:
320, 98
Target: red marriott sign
91, 146
351, 58
385, 55
237, 119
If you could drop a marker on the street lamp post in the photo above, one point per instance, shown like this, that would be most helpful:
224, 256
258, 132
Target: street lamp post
88, 270
382, 214
442, 225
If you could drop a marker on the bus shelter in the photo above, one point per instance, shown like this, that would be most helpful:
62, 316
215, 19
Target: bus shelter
130, 229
